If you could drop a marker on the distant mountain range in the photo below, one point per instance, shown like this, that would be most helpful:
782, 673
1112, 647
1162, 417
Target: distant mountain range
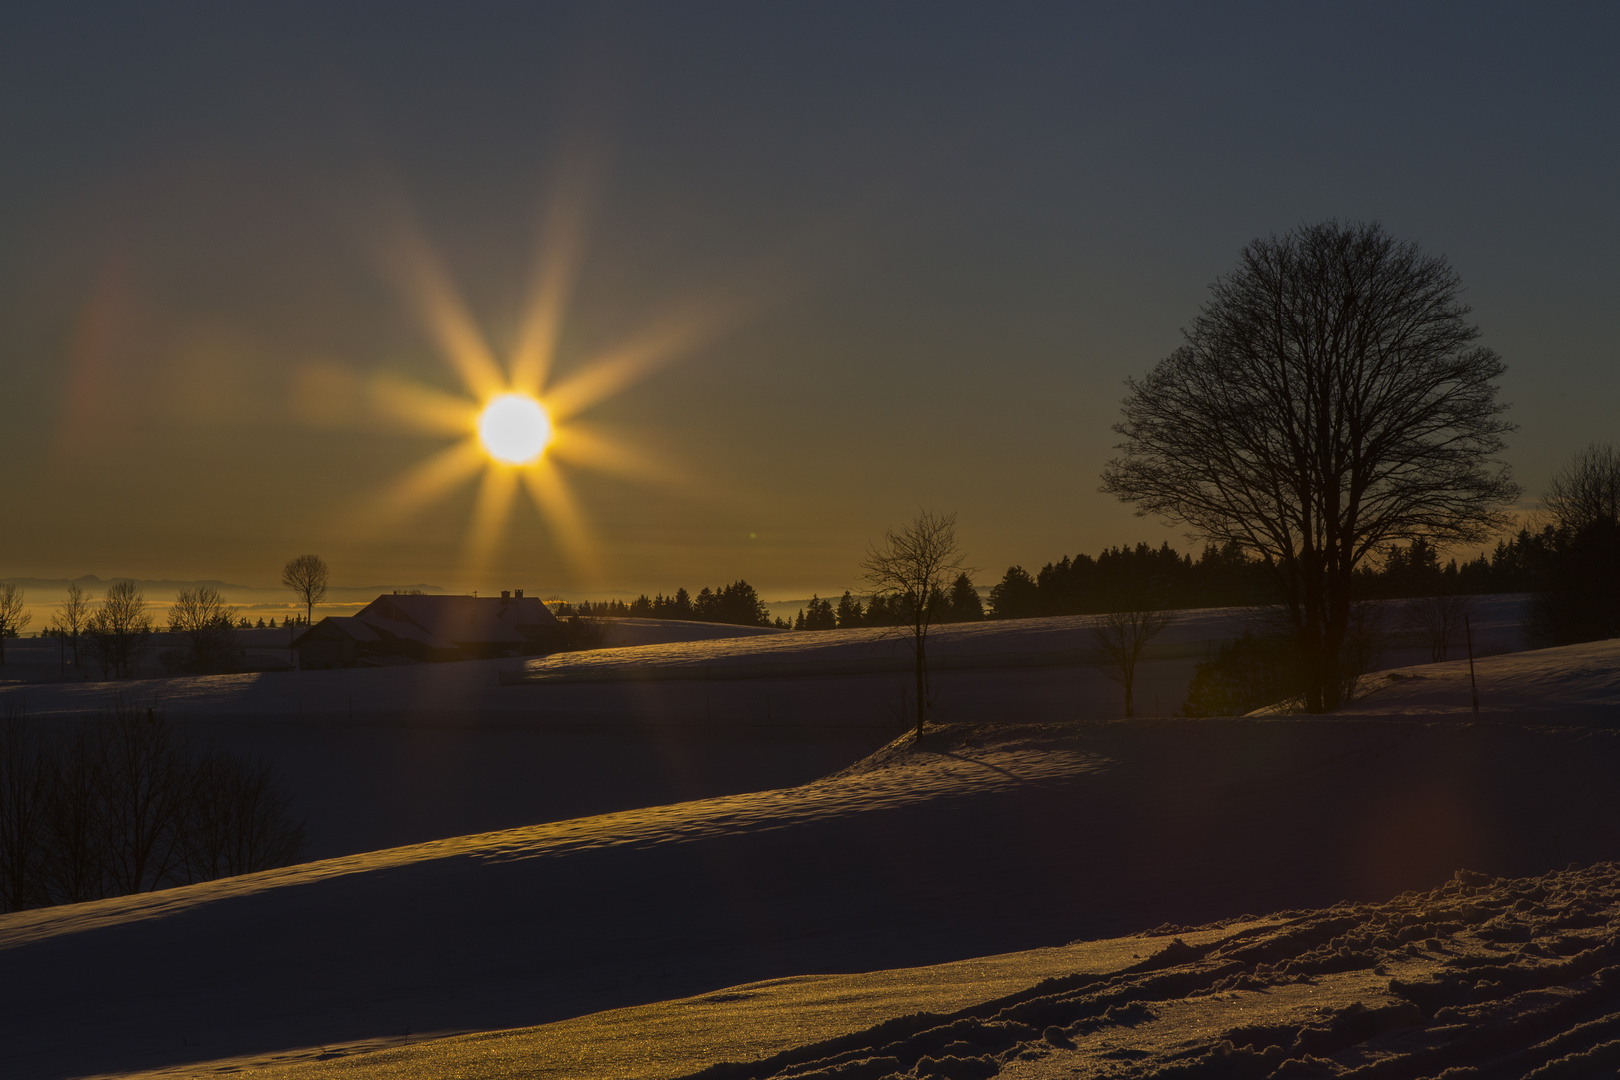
91, 582
42, 595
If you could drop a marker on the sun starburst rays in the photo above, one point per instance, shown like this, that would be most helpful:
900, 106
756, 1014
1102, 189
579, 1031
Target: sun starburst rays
424, 483
445, 317
490, 510
528, 381
421, 408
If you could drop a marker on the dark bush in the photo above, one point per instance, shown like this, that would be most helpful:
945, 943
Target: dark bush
1247, 674
124, 803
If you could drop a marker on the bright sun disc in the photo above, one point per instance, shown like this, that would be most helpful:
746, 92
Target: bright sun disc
514, 428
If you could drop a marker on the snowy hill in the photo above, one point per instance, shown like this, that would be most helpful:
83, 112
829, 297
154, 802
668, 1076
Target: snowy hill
984, 839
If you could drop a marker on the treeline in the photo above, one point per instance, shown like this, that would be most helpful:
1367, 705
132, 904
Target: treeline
736, 603
123, 803
1129, 578
116, 632
740, 604
1526, 562
1124, 578
961, 604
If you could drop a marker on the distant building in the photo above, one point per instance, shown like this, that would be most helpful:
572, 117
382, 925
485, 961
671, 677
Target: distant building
403, 628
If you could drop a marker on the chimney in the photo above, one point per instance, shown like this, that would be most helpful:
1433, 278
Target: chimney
506, 594
518, 593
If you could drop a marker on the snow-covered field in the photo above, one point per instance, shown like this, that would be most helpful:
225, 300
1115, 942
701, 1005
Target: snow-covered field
387, 756
1487, 977
985, 840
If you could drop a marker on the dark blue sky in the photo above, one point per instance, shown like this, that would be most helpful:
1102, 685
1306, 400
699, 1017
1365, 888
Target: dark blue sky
948, 233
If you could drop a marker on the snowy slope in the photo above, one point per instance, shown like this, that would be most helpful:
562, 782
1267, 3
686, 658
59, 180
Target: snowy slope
1574, 683
1490, 977
985, 839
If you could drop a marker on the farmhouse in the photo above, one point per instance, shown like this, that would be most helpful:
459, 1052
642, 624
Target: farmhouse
402, 628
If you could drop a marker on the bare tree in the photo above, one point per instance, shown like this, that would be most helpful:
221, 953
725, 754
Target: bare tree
1117, 642
120, 628
12, 615
72, 616
915, 565
24, 782
145, 794
202, 615
1577, 592
1438, 620
77, 822
1329, 398
306, 577
1586, 491
240, 820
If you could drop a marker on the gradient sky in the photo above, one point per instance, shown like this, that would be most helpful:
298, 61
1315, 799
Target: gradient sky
937, 237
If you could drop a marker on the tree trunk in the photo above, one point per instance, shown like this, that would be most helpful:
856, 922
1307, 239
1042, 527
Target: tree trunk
921, 685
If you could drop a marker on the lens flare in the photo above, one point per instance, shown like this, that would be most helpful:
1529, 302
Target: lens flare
514, 428
517, 425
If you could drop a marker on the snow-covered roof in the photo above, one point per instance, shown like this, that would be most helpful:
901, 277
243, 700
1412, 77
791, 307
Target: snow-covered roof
353, 628
463, 620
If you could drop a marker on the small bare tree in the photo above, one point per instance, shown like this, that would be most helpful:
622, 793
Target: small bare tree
72, 616
915, 565
1118, 641
306, 577
12, 615
1438, 620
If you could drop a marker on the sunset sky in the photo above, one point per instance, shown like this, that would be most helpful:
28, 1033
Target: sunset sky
801, 268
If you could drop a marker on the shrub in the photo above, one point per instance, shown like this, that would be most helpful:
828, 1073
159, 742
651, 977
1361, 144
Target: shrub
124, 803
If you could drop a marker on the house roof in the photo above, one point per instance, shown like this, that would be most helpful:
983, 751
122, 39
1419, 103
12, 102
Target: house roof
462, 620
347, 625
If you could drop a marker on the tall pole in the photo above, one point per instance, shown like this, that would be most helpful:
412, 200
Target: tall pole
1473, 686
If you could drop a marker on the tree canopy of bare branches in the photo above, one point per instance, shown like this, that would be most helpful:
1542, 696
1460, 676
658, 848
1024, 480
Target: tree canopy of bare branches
1329, 397
13, 616
1586, 491
915, 564
1577, 597
202, 615
123, 803
1117, 642
120, 628
306, 577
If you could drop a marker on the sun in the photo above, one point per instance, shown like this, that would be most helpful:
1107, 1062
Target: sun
517, 427
514, 428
